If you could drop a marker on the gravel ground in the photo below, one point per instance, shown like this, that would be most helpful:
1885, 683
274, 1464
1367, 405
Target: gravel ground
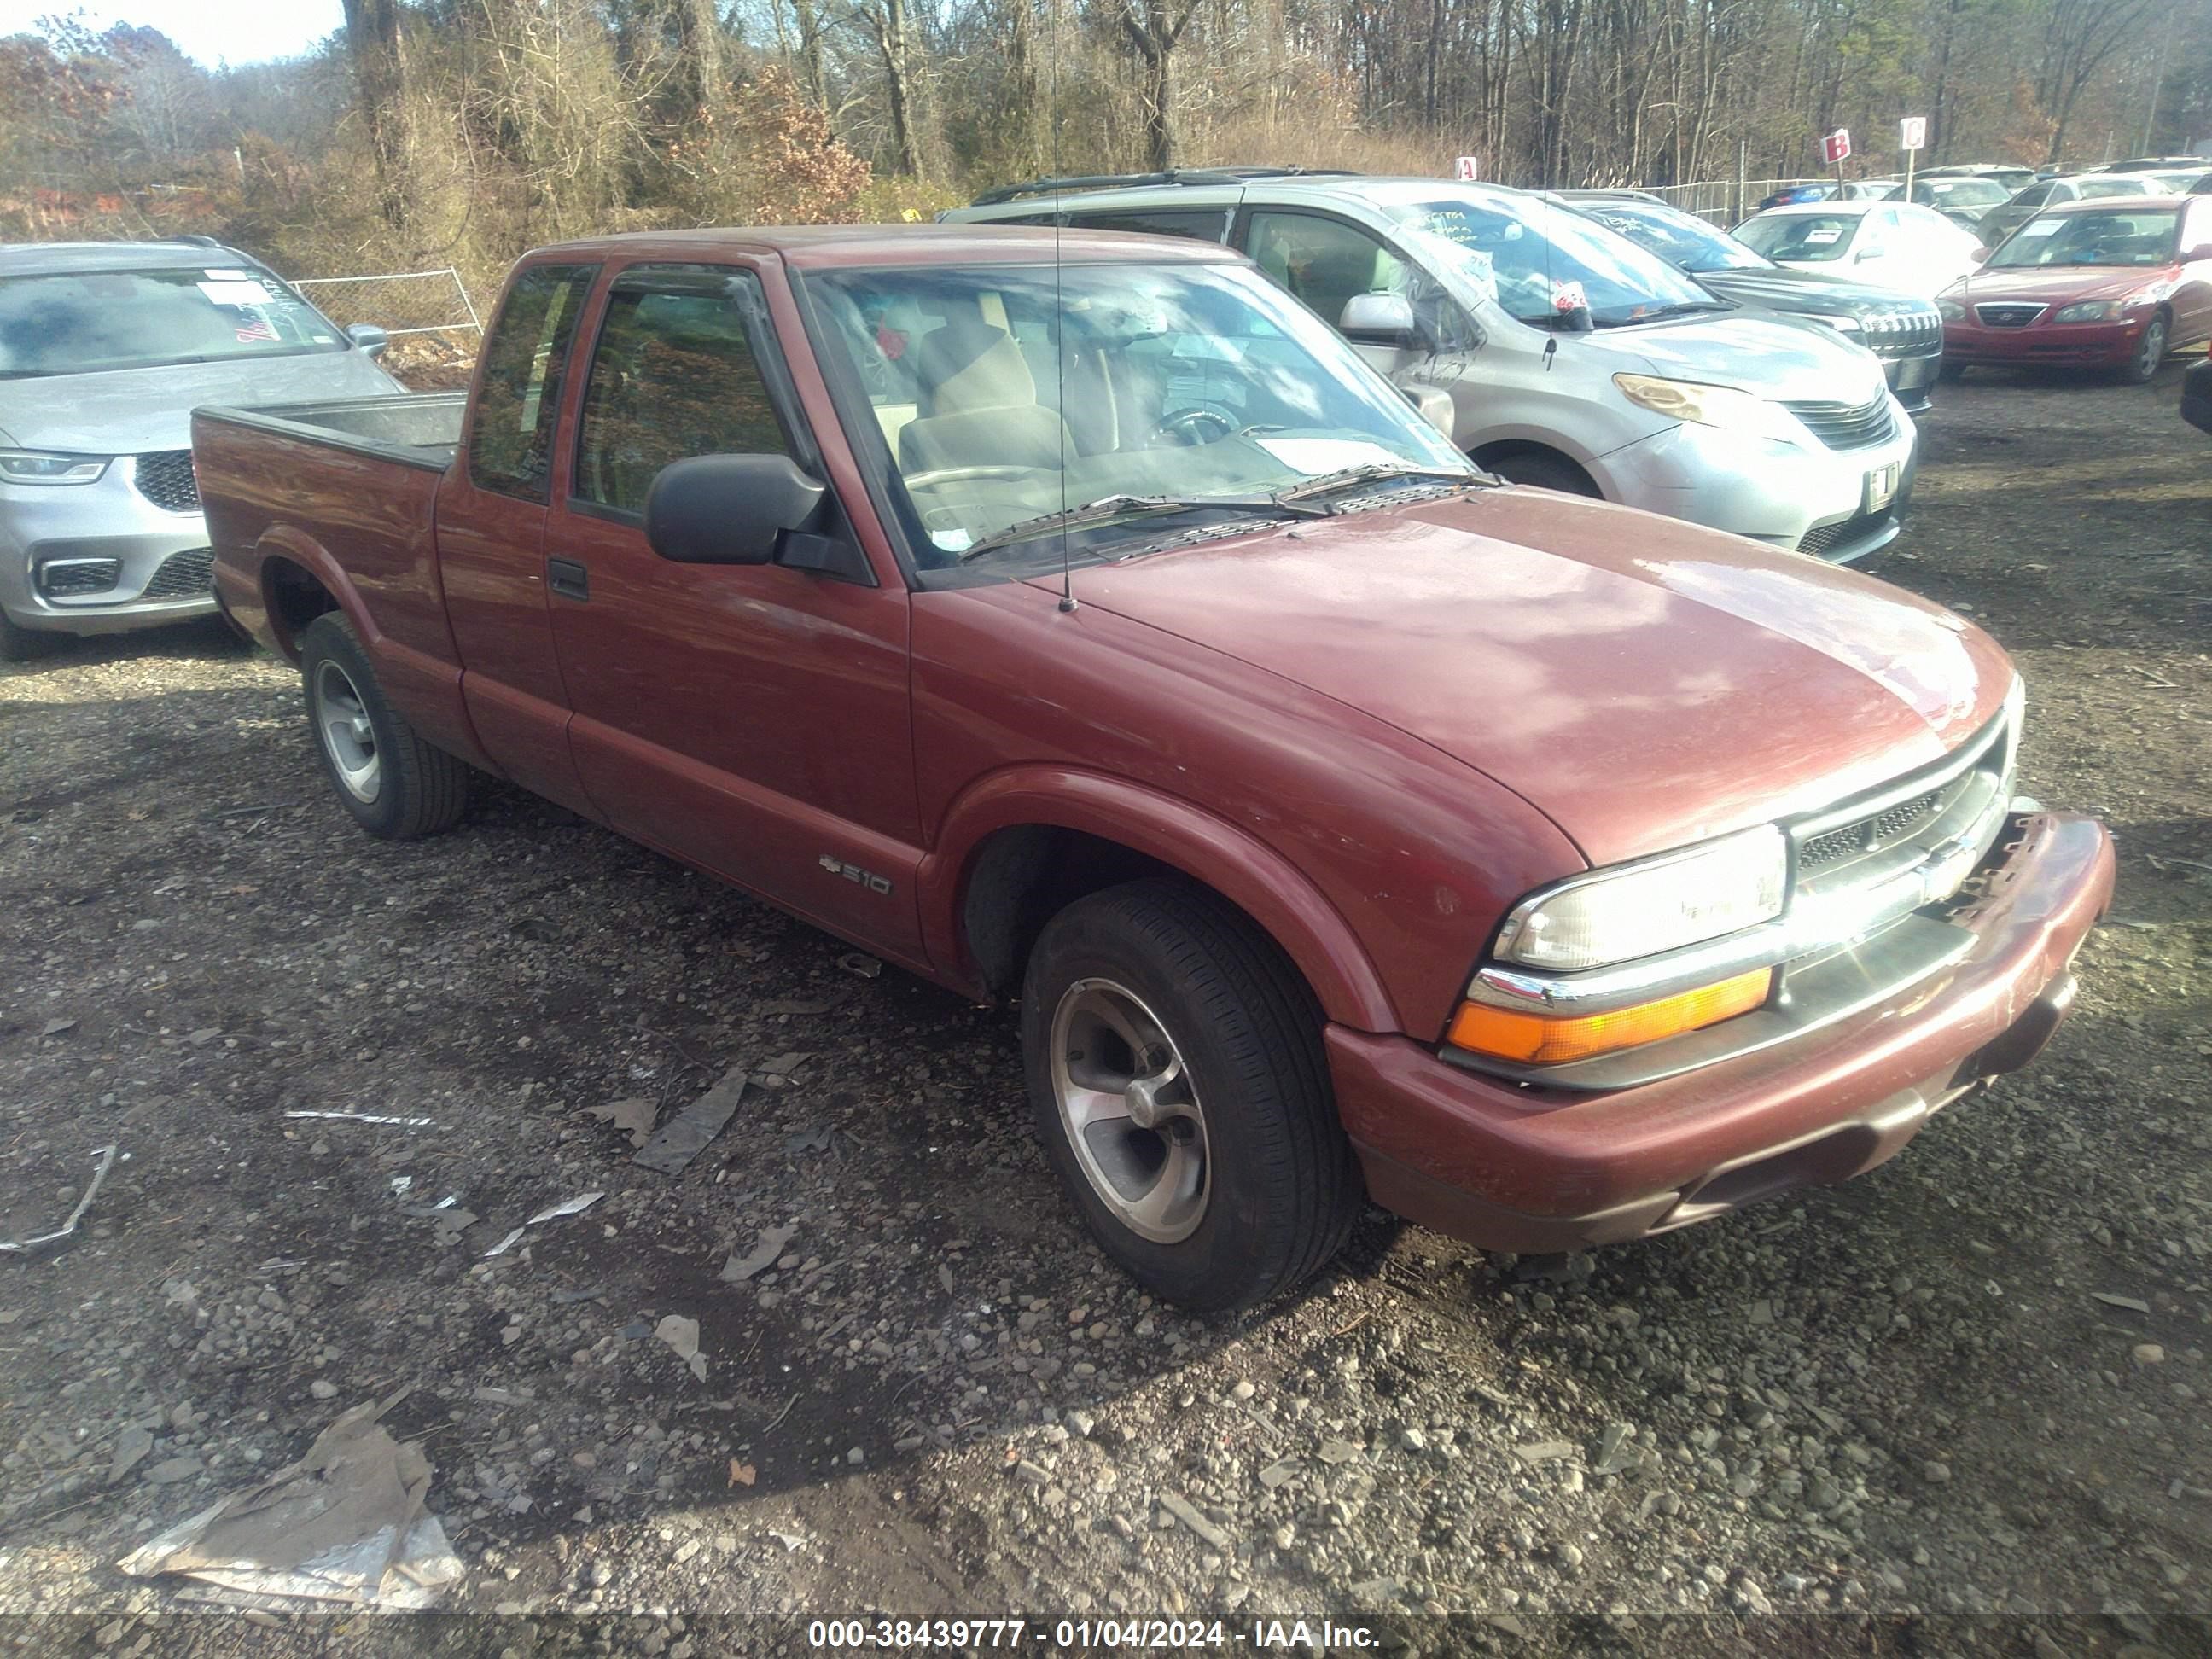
1958, 1405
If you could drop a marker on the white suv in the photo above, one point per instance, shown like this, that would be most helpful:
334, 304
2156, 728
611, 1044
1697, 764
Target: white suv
1571, 357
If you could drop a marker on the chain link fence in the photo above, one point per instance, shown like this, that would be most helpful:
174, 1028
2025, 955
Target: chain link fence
433, 323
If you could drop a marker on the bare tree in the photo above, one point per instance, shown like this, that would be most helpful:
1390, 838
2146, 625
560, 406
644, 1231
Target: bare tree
1153, 29
372, 31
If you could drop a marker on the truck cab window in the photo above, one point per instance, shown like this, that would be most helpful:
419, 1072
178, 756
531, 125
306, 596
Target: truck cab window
511, 435
673, 376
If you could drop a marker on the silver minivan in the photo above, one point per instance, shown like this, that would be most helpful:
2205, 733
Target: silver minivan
106, 348
1571, 357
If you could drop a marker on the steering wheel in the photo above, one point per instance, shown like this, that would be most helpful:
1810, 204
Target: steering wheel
1185, 425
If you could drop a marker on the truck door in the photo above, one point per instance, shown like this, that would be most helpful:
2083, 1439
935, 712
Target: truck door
752, 719
491, 532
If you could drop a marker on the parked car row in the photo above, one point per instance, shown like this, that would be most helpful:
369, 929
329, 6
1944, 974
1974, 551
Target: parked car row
1559, 353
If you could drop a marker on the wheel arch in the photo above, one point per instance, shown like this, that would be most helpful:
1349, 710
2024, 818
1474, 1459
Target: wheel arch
1505, 449
1021, 846
300, 581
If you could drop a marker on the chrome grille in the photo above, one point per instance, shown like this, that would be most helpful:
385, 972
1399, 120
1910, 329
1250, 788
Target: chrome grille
1868, 835
2002, 316
1848, 426
167, 479
184, 575
1902, 333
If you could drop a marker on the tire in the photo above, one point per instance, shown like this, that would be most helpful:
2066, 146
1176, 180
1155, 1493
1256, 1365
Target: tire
2142, 367
20, 644
1950, 373
1545, 472
1274, 1188
396, 787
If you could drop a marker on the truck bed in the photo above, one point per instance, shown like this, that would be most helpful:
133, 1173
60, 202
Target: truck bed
423, 430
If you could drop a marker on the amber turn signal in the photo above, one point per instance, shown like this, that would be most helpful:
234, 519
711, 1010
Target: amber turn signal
1547, 1040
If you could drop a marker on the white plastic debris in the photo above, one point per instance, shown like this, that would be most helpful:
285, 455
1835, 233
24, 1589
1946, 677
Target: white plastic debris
370, 1117
345, 1523
682, 1335
575, 1206
105, 1155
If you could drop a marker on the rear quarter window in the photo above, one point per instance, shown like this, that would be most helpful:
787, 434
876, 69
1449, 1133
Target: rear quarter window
518, 396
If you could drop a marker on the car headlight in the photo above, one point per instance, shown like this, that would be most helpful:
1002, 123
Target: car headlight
1951, 311
2087, 311
1721, 406
1653, 905
32, 466
1843, 323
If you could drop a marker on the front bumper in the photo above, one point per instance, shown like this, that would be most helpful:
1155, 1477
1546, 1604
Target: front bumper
147, 559
2087, 345
1520, 1169
1776, 493
1913, 378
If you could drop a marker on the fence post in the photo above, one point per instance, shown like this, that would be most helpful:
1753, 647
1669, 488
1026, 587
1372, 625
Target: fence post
1742, 175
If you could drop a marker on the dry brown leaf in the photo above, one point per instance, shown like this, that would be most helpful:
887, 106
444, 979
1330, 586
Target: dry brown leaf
742, 1474
633, 1117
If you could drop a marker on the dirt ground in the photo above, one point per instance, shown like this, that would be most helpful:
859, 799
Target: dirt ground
1959, 1404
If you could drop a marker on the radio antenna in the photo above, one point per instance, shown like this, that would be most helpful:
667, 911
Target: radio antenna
1059, 314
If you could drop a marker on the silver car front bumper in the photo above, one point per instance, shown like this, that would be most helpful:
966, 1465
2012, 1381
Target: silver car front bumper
102, 557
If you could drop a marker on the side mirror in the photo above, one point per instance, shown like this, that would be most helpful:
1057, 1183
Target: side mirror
1434, 405
369, 338
1380, 319
728, 509
1867, 253
2200, 253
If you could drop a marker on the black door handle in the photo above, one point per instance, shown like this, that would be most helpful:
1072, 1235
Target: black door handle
569, 579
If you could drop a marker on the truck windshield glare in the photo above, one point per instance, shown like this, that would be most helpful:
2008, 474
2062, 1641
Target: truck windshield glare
1167, 383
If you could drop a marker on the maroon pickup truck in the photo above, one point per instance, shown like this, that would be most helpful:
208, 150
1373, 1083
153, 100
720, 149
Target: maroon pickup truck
1079, 623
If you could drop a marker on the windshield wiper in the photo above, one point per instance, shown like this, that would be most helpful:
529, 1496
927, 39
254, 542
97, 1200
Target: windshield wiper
1109, 507
1370, 471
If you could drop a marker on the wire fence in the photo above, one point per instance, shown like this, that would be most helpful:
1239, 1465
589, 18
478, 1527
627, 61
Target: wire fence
433, 323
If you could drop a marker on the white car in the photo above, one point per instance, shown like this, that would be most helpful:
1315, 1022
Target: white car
1899, 245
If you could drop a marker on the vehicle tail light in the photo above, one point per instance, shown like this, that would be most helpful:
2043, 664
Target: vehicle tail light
1549, 1040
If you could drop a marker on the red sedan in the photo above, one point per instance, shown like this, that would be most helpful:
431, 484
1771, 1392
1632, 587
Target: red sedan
2117, 282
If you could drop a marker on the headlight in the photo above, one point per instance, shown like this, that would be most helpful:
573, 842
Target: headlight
1655, 904
1951, 311
1843, 323
31, 466
1720, 406
2088, 311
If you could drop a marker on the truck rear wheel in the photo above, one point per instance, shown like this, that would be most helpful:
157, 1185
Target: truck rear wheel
396, 786
1176, 1070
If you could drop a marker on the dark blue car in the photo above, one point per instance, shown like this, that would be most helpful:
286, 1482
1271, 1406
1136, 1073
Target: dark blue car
1790, 193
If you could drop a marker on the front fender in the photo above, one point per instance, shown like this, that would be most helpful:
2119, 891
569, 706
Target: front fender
1241, 868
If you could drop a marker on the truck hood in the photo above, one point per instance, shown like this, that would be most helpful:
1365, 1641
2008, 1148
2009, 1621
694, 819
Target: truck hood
131, 412
1643, 683
1766, 355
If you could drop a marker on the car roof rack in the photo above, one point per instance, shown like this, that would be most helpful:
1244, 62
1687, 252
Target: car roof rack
1172, 176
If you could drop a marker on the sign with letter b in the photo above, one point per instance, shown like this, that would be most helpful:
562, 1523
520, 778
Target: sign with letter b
1835, 145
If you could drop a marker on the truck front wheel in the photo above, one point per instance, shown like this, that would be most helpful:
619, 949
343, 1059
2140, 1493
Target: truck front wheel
1176, 1070
396, 786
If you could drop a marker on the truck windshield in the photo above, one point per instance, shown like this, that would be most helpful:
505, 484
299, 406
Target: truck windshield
1538, 260
1680, 239
85, 322
1008, 394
